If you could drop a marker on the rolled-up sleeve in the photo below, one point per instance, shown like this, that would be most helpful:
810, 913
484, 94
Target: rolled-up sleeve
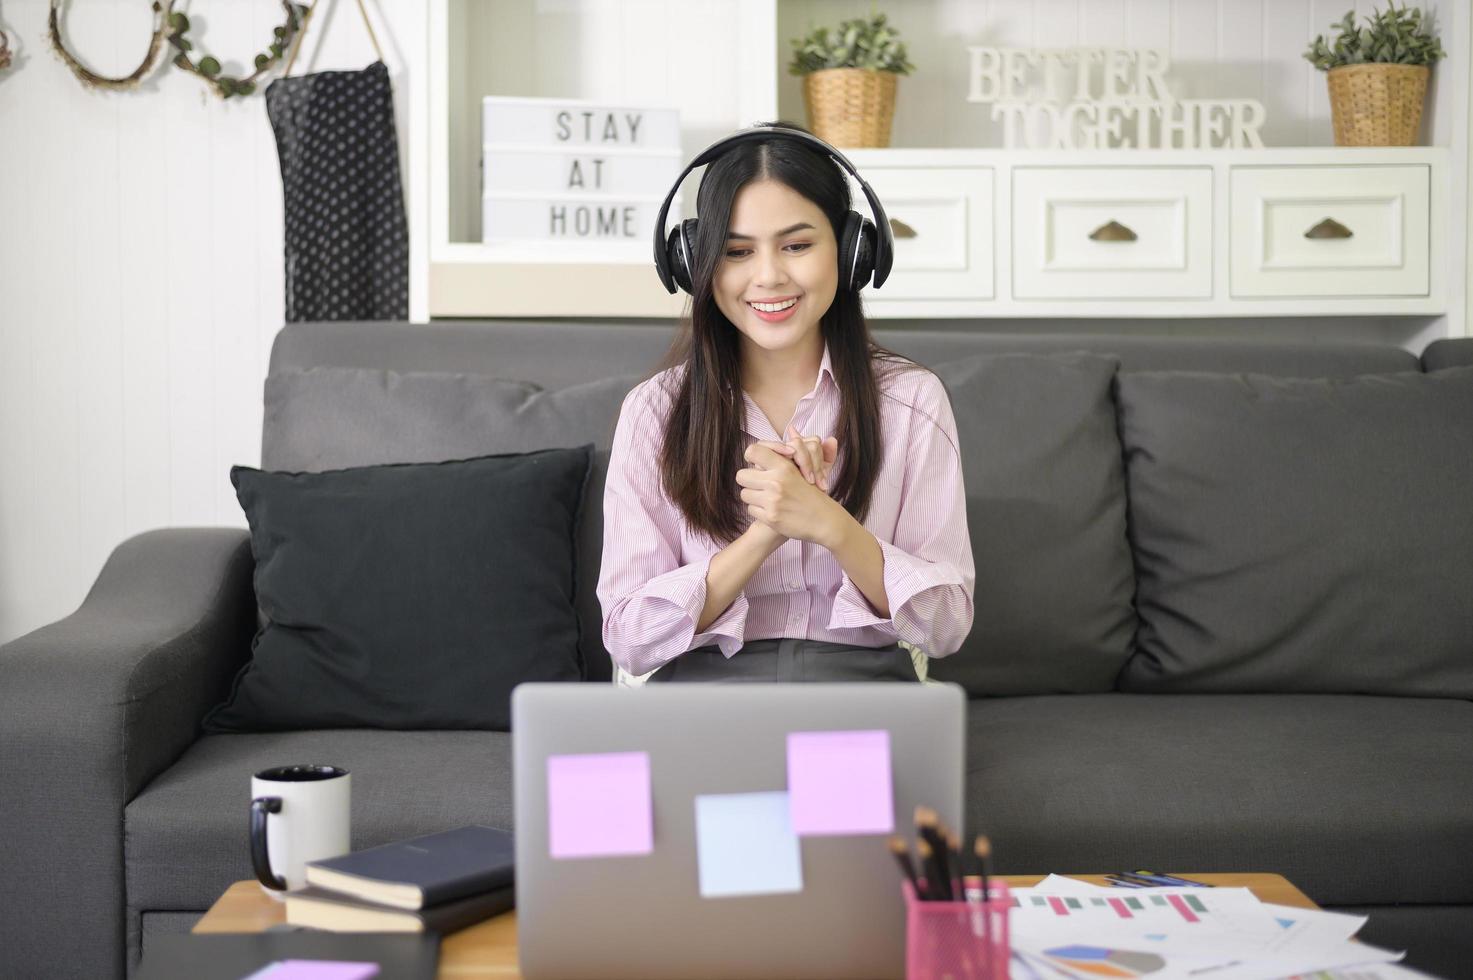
929, 574
651, 602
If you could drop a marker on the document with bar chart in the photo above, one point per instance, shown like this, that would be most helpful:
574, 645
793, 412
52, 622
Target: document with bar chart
1084, 931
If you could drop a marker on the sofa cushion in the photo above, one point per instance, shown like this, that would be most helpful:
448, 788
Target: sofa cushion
332, 417
186, 832
408, 595
1356, 799
1046, 513
1301, 534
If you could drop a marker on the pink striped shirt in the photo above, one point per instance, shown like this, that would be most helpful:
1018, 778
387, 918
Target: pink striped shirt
652, 584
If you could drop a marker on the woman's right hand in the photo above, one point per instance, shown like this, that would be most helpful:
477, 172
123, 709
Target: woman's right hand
813, 456
814, 459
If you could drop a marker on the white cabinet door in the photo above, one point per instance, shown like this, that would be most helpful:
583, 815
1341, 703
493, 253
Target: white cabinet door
1112, 232
1330, 231
942, 221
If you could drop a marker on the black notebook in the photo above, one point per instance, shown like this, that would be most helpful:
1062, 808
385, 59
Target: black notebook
318, 908
232, 956
422, 871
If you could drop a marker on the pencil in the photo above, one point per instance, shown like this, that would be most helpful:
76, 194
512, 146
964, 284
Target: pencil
983, 849
927, 826
901, 850
937, 888
954, 859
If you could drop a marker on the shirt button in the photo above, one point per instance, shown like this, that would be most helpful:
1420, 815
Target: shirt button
795, 585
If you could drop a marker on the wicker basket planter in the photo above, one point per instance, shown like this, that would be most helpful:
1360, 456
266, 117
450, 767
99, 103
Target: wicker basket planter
1377, 104
850, 107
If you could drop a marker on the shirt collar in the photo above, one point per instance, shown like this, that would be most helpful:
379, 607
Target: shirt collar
757, 422
826, 366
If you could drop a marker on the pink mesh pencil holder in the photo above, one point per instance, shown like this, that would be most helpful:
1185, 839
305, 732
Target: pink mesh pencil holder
957, 940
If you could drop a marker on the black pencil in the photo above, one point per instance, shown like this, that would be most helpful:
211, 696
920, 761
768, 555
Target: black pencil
927, 826
937, 888
983, 850
954, 860
901, 850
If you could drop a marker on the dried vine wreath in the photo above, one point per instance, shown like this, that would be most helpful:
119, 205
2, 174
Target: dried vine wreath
4, 50
208, 67
86, 75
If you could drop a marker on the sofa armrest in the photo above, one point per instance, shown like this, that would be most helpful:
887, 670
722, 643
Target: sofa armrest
1448, 352
91, 708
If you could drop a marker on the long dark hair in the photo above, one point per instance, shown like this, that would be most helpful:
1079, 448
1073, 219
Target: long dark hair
703, 444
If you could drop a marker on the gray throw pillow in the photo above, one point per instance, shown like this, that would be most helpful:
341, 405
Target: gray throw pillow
330, 418
1046, 513
1302, 535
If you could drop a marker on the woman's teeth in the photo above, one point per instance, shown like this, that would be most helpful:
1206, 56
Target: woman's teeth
772, 307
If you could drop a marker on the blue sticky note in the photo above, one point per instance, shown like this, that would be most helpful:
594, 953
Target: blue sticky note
745, 845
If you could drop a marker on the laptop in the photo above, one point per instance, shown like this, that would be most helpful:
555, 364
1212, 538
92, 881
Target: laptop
642, 914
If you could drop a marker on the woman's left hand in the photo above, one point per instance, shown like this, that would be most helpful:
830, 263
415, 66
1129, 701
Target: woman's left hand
813, 456
777, 494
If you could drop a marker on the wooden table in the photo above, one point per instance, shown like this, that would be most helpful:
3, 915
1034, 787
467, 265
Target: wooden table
489, 949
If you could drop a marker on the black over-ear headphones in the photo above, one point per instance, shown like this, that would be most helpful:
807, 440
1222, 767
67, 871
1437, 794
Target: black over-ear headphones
862, 249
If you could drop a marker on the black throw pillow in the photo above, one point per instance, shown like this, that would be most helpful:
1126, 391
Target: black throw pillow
408, 595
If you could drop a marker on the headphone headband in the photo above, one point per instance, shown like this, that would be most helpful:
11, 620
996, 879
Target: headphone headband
884, 239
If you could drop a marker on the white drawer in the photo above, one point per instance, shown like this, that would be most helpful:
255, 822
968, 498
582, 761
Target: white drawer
1330, 231
942, 221
1112, 232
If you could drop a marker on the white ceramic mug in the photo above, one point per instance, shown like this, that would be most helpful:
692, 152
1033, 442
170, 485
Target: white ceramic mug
298, 814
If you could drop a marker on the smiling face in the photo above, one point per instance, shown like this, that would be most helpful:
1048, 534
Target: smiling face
780, 248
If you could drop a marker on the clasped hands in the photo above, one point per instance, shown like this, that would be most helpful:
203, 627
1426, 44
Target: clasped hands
786, 487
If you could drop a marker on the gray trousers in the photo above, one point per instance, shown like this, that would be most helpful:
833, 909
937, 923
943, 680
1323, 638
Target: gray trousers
791, 660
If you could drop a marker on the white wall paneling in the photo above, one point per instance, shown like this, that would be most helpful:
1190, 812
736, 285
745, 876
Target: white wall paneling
140, 280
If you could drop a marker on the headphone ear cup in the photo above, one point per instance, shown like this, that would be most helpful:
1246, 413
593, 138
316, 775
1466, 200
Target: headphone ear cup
864, 266
856, 251
680, 244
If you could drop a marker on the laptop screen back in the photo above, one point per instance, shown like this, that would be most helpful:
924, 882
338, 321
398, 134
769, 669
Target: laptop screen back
639, 912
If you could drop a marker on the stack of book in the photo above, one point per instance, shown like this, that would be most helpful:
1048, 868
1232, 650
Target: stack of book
435, 883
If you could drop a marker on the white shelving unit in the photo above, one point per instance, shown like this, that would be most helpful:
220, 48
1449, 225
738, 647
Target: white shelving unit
984, 247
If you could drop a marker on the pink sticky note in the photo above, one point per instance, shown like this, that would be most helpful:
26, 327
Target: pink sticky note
599, 805
839, 783
320, 970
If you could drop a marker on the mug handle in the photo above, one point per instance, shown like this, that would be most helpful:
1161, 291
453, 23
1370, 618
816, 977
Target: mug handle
260, 859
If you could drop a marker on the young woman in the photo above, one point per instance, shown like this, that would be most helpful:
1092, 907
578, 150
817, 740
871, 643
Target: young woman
784, 497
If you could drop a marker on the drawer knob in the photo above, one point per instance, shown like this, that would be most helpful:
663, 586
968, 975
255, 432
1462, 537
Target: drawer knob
1112, 231
1329, 228
900, 229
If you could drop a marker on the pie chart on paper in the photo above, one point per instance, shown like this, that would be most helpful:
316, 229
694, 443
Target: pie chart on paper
1097, 961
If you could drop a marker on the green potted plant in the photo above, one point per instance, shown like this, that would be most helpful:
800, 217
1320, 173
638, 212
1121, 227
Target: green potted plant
1377, 75
849, 80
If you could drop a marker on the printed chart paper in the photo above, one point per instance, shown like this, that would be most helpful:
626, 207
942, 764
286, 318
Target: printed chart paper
840, 783
1078, 929
745, 845
599, 805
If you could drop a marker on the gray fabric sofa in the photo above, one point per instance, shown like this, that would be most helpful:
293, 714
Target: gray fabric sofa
120, 822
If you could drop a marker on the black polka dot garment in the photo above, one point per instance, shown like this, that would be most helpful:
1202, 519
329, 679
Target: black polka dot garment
347, 242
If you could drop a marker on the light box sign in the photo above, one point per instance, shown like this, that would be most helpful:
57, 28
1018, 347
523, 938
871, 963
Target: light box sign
559, 170
1102, 98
